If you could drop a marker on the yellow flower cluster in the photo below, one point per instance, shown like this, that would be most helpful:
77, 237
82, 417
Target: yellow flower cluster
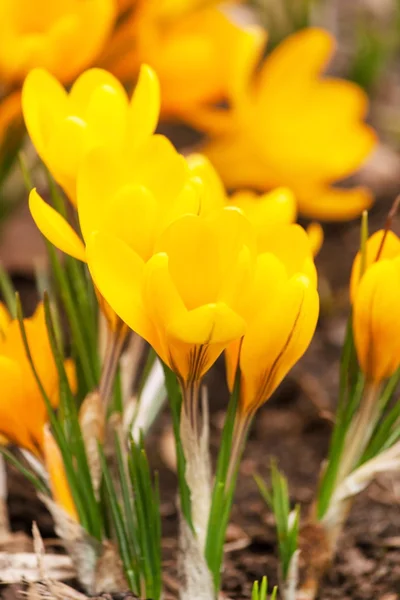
179, 262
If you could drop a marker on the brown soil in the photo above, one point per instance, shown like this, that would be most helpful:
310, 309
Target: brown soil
295, 427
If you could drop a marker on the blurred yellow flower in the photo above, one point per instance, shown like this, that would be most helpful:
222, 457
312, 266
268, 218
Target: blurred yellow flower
188, 43
62, 36
64, 127
288, 126
23, 412
60, 490
10, 114
376, 299
184, 300
281, 311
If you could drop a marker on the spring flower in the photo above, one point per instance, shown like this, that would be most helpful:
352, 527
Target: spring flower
62, 37
376, 300
264, 211
183, 299
280, 311
64, 127
286, 125
188, 45
23, 412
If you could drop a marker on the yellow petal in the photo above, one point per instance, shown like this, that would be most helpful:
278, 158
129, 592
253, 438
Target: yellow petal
4, 319
99, 178
145, 105
192, 248
376, 320
266, 210
86, 85
60, 489
381, 245
117, 272
55, 228
334, 204
214, 197
276, 339
198, 337
316, 237
131, 215
291, 245
159, 167
44, 102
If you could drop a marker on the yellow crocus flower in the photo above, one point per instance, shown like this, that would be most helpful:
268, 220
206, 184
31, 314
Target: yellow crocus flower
184, 299
286, 125
375, 296
64, 127
189, 44
265, 211
281, 311
62, 36
23, 412
132, 194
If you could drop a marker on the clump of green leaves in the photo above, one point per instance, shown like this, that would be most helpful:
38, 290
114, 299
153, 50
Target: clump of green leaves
260, 591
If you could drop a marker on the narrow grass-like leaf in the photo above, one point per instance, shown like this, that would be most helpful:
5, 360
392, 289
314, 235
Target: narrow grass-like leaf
8, 292
25, 471
175, 401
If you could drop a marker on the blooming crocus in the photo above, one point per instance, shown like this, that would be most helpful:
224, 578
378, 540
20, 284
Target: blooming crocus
188, 44
23, 411
62, 37
281, 311
265, 211
64, 127
183, 299
375, 296
286, 125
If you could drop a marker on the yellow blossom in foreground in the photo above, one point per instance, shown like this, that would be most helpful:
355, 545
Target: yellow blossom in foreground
288, 126
189, 46
63, 36
184, 300
376, 300
131, 194
64, 127
281, 311
23, 412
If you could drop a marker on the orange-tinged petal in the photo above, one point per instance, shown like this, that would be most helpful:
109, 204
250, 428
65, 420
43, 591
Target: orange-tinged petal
145, 105
376, 320
60, 489
381, 245
118, 273
55, 228
197, 338
276, 339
